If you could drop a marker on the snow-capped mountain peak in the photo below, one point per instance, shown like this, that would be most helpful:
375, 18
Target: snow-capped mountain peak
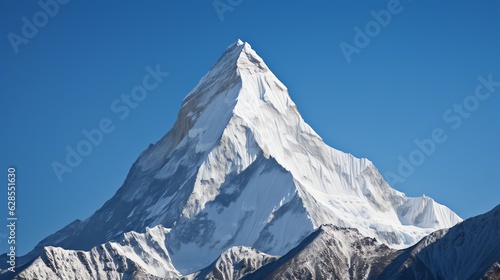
241, 167
262, 177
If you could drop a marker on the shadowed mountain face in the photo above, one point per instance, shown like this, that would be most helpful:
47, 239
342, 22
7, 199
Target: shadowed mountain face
240, 167
330, 253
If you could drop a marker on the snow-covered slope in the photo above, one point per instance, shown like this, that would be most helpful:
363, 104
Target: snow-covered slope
136, 256
425, 212
241, 167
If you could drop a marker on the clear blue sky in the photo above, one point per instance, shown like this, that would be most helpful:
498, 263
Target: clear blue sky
395, 90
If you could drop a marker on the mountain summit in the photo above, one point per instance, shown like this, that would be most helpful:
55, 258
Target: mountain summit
240, 167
